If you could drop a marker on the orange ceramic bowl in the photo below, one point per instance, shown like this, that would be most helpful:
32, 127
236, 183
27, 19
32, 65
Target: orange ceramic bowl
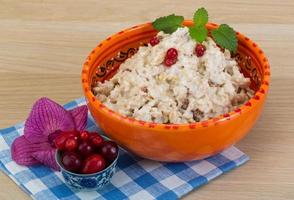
173, 142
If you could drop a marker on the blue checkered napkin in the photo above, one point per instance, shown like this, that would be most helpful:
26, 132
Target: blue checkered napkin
136, 178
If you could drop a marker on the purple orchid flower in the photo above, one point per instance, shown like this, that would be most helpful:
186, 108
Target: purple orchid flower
46, 120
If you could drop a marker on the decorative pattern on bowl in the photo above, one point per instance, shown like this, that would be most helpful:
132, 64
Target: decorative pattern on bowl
87, 182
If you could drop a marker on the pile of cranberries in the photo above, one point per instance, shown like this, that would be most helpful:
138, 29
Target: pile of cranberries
85, 152
171, 56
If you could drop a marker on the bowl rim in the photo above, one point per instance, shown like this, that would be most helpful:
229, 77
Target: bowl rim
259, 95
58, 154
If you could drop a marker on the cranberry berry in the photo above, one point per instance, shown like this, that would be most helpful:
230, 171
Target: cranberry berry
60, 140
71, 161
84, 135
96, 140
169, 62
109, 150
71, 144
199, 50
171, 53
154, 41
93, 164
171, 57
85, 149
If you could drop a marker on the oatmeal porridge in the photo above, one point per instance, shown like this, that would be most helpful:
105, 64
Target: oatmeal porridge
195, 85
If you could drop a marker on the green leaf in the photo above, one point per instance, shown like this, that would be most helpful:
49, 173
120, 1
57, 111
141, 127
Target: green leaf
226, 37
200, 17
198, 33
168, 24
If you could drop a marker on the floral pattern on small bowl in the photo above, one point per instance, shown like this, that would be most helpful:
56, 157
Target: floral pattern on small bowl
87, 182
91, 182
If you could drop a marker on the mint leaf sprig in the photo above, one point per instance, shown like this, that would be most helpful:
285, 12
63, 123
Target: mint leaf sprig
224, 35
199, 31
168, 24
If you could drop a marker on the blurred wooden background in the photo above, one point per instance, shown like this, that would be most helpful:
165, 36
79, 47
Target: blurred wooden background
43, 44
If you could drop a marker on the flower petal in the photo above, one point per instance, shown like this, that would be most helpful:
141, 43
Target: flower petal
22, 149
47, 157
46, 117
80, 116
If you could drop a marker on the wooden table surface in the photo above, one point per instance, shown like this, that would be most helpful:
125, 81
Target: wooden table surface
44, 43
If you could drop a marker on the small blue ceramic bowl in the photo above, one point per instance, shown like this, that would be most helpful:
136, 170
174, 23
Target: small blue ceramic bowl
87, 182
